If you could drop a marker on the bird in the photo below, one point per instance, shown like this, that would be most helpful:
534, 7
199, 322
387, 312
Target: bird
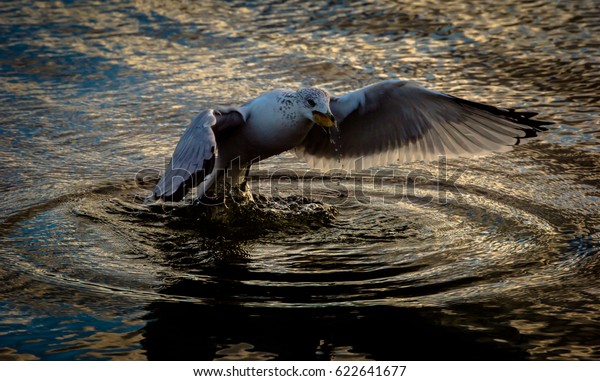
392, 121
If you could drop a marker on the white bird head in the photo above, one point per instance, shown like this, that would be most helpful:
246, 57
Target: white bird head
314, 103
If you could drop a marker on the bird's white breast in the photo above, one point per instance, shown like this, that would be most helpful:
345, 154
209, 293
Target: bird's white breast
276, 122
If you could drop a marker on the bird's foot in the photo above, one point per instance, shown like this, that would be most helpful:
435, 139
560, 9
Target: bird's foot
241, 195
245, 192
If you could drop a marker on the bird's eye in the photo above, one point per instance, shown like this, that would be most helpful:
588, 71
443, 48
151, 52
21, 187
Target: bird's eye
311, 103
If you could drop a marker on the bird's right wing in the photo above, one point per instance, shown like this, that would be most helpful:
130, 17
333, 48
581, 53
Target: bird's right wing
195, 154
396, 121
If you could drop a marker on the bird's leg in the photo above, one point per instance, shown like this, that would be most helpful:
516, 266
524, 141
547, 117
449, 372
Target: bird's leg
240, 190
244, 184
244, 187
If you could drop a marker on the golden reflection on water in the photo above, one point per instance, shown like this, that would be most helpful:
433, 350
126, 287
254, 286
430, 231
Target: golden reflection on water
243, 352
108, 345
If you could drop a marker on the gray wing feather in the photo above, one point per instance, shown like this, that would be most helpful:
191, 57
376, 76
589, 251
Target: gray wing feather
398, 121
195, 154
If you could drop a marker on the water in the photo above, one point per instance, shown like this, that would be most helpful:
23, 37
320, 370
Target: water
494, 258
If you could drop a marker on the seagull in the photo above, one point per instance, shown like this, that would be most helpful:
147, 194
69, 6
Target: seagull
392, 121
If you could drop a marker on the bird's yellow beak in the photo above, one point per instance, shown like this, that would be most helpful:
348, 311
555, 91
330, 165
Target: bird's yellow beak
324, 120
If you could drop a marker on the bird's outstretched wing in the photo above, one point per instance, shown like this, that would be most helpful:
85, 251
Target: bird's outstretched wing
397, 121
195, 154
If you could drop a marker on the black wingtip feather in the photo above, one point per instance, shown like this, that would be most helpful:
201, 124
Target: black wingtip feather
519, 117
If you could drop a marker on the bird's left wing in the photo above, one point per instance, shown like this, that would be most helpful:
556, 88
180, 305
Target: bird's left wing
397, 121
195, 154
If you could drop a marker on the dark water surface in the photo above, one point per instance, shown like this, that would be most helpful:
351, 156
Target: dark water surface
493, 258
